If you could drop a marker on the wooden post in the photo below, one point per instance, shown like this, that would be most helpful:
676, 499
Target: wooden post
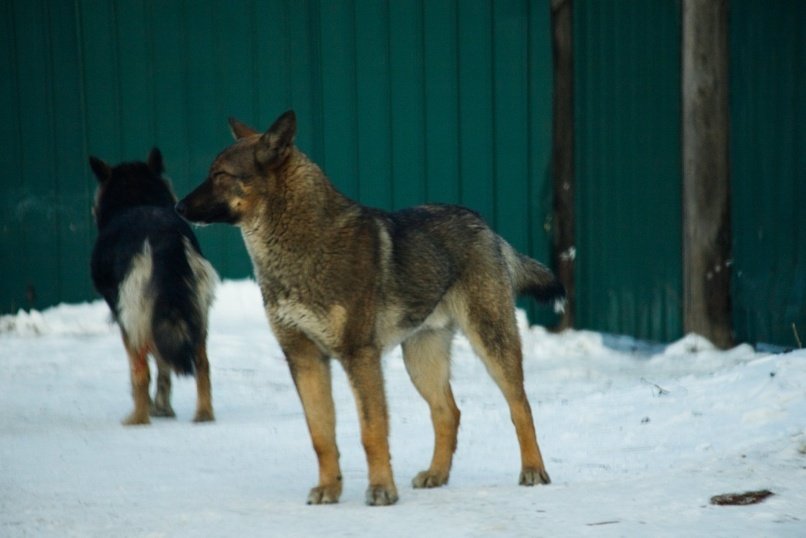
562, 157
706, 181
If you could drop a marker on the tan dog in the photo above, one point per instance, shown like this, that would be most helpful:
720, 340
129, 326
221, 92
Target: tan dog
342, 280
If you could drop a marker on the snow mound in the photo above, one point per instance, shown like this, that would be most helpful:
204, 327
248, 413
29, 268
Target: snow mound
85, 319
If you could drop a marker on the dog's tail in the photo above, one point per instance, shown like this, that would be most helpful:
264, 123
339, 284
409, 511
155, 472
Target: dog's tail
530, 277
179, 322
177, 336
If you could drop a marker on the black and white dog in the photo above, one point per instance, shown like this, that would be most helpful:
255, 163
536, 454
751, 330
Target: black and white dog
149, 268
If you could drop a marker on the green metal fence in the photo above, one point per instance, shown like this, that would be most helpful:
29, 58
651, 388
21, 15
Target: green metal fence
402, 102
407, 101
627, 167
768, 169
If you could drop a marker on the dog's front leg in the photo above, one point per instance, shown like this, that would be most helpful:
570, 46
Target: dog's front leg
364, 371
310, 369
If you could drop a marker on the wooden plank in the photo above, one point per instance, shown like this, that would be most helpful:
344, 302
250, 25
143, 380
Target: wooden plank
563, 239
706, 180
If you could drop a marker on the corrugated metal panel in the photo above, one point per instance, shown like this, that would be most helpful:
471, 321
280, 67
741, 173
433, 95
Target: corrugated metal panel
402, 102
768, 151
627, 167
45, 225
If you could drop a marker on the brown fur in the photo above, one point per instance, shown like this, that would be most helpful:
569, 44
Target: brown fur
342, 280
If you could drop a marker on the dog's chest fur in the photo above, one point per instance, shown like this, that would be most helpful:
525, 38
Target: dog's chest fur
288, 296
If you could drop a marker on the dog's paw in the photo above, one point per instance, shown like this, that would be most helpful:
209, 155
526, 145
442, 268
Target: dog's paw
324, 495
429, 479
204, 415
162, 411
381, 495
136, 419
534, 477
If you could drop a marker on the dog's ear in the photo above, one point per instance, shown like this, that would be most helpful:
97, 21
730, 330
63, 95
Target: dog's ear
155, 162
101, 170
240, 130
275, 144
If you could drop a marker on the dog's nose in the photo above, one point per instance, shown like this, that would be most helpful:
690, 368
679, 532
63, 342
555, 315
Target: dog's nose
181, 207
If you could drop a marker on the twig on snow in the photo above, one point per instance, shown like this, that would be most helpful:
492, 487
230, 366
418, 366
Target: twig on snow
661, 390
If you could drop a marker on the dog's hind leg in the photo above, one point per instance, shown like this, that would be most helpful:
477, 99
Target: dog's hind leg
310, 370
161, 407
491, 328
204, 399
427, 358
363, 369
140, 377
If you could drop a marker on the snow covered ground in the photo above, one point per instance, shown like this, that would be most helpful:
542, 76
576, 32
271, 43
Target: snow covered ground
637, 439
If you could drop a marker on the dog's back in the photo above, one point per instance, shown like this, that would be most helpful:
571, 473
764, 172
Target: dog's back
148, 267
432, 249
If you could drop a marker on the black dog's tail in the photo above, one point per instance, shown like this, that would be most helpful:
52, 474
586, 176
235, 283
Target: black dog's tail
182, 300
531, 277
177, 336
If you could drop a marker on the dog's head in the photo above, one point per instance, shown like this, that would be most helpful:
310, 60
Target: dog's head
246, 171
129, 185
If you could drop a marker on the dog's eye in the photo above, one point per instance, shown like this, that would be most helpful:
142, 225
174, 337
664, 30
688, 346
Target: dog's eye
228, 175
